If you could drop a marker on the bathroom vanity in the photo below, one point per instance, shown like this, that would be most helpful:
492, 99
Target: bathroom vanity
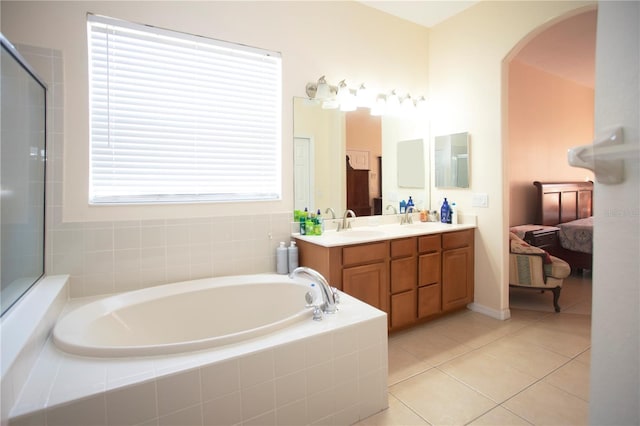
413, 272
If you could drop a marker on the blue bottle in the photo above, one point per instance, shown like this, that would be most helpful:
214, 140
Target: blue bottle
445, 212
403, 206
410, 202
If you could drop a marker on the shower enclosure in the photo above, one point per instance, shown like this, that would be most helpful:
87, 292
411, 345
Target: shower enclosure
22, 176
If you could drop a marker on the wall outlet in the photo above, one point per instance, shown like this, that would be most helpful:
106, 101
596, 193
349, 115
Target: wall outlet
480, 200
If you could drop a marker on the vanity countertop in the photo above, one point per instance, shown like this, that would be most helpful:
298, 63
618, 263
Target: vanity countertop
366, 234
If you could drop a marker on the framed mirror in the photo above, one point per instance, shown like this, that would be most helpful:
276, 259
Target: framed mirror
451, 154
324, 138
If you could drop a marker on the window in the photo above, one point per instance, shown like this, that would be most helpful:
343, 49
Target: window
180, 118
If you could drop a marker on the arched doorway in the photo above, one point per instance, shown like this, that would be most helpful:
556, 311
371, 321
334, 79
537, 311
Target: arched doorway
549, 108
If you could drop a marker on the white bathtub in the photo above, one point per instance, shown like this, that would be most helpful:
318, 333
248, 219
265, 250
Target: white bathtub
298, 371
182, 317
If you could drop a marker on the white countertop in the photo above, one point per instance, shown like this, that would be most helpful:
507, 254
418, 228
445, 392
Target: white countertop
367, 234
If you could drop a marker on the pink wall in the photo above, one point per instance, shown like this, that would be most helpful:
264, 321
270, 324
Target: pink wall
547, 115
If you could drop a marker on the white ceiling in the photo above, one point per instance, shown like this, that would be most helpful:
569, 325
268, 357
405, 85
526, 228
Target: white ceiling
426, 13
566, 49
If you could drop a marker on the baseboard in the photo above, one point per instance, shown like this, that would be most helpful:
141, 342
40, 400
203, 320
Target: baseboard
502, 315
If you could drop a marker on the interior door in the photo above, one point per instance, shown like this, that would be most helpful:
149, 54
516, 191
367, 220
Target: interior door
615, 337
303, 173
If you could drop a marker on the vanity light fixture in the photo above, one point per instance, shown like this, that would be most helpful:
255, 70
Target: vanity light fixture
393, 103
379, 107
321, 90
343, 97
365, 97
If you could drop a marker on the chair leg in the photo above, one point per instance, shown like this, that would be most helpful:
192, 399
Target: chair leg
556, 296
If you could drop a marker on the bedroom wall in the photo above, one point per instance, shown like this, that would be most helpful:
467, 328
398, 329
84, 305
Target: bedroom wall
547, 115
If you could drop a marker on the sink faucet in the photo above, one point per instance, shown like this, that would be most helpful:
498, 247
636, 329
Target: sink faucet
407, 218
395, 211
346, 224
333, 212
329, 297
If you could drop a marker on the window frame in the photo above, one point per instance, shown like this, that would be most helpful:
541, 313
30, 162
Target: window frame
262, 148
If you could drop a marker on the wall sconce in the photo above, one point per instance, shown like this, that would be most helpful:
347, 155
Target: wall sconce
343, 97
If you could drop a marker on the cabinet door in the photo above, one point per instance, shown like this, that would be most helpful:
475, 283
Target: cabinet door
403, 309
429, 300
457, 278
367, 283
429, 269
403, 274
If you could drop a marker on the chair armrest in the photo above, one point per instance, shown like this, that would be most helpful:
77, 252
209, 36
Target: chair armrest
527, 269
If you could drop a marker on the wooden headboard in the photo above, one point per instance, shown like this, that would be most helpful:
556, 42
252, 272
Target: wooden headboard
560, 202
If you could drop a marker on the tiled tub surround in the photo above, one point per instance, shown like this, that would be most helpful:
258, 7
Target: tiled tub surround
328, 372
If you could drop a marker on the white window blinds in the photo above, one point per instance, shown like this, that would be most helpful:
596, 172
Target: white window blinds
180, 118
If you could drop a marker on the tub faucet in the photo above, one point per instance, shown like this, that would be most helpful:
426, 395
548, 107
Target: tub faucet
346, 224
329, 295
407, 218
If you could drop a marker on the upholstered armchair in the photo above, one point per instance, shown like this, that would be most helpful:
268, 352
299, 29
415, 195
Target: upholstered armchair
532, 267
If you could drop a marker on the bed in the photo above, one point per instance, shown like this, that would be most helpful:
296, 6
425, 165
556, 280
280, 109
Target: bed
568, 206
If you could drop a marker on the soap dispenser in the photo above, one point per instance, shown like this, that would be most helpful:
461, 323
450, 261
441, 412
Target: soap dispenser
282, 264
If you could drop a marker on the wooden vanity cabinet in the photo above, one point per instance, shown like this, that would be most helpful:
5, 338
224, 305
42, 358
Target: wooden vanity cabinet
403, 266
412, 279
457, 269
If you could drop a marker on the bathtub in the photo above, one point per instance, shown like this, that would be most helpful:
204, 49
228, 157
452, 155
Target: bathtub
284, 369
181, 317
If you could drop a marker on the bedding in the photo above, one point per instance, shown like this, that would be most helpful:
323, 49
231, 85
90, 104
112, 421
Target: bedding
577, 235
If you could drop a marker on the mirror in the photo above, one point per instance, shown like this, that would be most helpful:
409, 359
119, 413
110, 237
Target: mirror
410, 164
452, 160
324, 138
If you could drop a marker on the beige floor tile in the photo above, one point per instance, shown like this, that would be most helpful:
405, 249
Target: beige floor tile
584, 357
576, 324
396, 414
440, 399
527, 315
499, 416
525, 356
564, 342
573, 378
487, 375
403, 364
431, 347
544, 404
476, 332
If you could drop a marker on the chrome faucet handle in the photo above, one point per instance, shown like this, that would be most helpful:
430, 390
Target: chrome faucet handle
317, 310
395, 211
336, 295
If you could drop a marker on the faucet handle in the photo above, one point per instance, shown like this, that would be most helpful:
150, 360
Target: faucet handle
336, 295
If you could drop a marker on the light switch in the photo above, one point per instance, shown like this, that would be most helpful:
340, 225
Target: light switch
480, 200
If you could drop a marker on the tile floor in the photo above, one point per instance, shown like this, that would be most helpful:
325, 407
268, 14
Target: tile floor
467, 368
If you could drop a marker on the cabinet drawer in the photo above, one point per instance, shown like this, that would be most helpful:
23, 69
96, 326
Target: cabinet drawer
429, 243
429, 300
366, 253
451, 240
403, 247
